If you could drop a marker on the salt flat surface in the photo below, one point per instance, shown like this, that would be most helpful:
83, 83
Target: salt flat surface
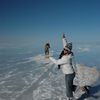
51, 86
37, 78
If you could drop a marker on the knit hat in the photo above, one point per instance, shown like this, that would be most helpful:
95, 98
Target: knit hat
69, 46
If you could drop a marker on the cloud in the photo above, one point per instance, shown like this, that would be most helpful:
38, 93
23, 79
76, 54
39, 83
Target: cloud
83, 49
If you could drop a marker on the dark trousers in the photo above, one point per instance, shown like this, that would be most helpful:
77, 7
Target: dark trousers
69, 84
46, 52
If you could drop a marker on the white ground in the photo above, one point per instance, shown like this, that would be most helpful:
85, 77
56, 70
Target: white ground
51, 86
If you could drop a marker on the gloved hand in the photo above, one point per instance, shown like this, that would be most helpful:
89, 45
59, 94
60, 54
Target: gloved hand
63, 35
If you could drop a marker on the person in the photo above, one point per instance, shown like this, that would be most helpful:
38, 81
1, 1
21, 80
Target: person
46, 49
62, 52
66, 64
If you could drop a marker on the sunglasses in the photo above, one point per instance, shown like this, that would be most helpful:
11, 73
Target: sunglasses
65, 49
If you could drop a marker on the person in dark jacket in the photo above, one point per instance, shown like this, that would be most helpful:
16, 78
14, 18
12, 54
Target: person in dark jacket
46, 49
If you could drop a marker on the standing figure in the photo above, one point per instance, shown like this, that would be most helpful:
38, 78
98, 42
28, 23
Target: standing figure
65, 43
46, 49
66, 64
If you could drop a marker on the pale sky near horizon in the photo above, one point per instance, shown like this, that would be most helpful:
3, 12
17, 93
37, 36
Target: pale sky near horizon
44, 20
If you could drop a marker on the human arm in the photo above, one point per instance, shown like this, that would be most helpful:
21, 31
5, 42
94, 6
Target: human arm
64, 41
59, 61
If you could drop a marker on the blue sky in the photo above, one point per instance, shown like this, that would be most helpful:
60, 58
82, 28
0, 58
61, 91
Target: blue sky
39, 21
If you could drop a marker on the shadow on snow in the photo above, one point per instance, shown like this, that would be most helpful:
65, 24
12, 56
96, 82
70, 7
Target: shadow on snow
93, 91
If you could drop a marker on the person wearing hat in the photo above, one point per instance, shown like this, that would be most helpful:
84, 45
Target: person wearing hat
46, 49
65, 44
67, 67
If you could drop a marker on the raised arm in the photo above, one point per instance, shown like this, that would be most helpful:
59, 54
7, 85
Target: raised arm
64, 40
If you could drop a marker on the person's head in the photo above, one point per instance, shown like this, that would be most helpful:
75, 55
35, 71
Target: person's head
68, 48
66, 51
